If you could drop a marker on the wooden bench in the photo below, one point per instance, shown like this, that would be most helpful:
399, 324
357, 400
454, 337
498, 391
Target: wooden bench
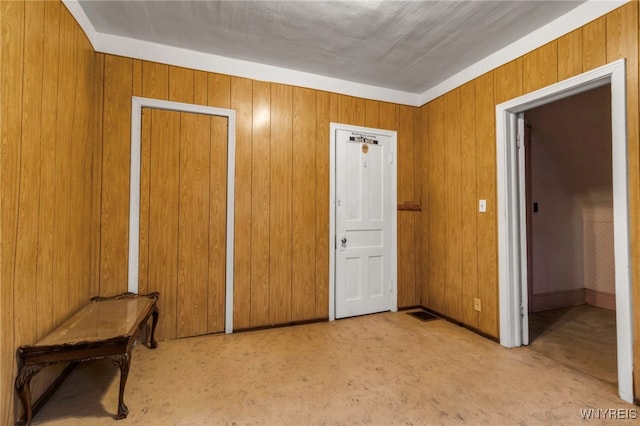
107, 327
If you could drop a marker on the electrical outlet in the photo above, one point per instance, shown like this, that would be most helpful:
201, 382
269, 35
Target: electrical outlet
476, 304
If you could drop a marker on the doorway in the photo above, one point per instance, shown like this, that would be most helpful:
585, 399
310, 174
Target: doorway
187, 185
363, 258
512, 208
571, 278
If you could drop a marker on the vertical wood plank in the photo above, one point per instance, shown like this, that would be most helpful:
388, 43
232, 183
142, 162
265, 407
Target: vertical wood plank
486, 189
219, 87
217, 223
422, 222
622, 42
11, 48
360, 112
63, 197
96, 171
594, 44
47, 170
280, 205
388, 116
260, 190
453, 205
193, 225
508, 81
406, 219
26, 248
371, 114
418, 148
570, 55
469, 202
323, 117
181, 84
303, 274
241, 101
155, 85
219, 94
437, 206
347, 110
163, 214
540, 67
115, 175
200, 87
136, 78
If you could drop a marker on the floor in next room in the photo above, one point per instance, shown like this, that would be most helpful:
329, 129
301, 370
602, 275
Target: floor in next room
581, 337
382, 369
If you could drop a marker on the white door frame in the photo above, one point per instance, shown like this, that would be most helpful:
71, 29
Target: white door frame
332, 211
137, 103
512, 259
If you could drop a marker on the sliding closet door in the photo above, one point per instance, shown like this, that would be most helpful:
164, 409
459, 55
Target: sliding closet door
183, 226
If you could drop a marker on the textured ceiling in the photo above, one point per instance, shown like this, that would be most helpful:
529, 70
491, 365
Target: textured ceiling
402, 45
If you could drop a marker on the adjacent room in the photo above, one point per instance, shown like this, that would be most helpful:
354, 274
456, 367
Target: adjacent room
289, 212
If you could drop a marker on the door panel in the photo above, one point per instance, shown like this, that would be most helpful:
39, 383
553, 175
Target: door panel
363, 191
186, 252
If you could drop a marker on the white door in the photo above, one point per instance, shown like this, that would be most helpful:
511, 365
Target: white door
364, 273
522, 207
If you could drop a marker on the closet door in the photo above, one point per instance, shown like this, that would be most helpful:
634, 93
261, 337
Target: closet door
183, 219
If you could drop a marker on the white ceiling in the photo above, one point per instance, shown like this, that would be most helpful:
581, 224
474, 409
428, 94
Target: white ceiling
407, 46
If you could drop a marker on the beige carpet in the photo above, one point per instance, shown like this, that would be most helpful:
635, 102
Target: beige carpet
379, 369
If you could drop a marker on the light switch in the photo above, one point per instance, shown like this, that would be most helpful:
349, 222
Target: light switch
482, 206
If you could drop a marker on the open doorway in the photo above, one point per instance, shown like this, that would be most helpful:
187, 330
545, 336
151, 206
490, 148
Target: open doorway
512, 212
571, 269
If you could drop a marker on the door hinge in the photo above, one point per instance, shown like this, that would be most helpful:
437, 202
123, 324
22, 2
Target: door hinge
390, 287
521, 310
335, 241
518, 141
391, 158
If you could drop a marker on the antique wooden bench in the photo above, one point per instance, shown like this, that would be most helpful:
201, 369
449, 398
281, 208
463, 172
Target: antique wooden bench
107, 327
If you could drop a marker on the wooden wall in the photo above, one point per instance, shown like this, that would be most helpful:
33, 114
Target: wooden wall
282, 183
457, 143
48, 125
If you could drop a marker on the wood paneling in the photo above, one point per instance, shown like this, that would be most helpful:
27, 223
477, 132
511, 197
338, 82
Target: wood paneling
453, 205
280, 205
303, 261
48, 129
406, 219
260, 190
540, 67
115, 175
570, 55
323, 117
594, 44
164, 190
469, 203
437, 207
193, 224
241, 102
487, 225
423, 219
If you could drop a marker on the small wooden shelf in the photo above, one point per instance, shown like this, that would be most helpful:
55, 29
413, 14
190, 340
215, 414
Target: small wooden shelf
413, 206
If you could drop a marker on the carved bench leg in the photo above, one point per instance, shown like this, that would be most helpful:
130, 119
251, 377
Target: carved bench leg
123, 361
24, 390
155, 315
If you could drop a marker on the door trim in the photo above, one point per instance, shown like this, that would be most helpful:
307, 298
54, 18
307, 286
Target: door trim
137, 103
333, 127
512, 283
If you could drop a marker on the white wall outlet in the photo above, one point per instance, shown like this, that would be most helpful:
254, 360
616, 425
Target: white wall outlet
482, 206
476, 304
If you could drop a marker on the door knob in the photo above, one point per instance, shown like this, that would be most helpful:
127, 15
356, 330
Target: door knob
344, 241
